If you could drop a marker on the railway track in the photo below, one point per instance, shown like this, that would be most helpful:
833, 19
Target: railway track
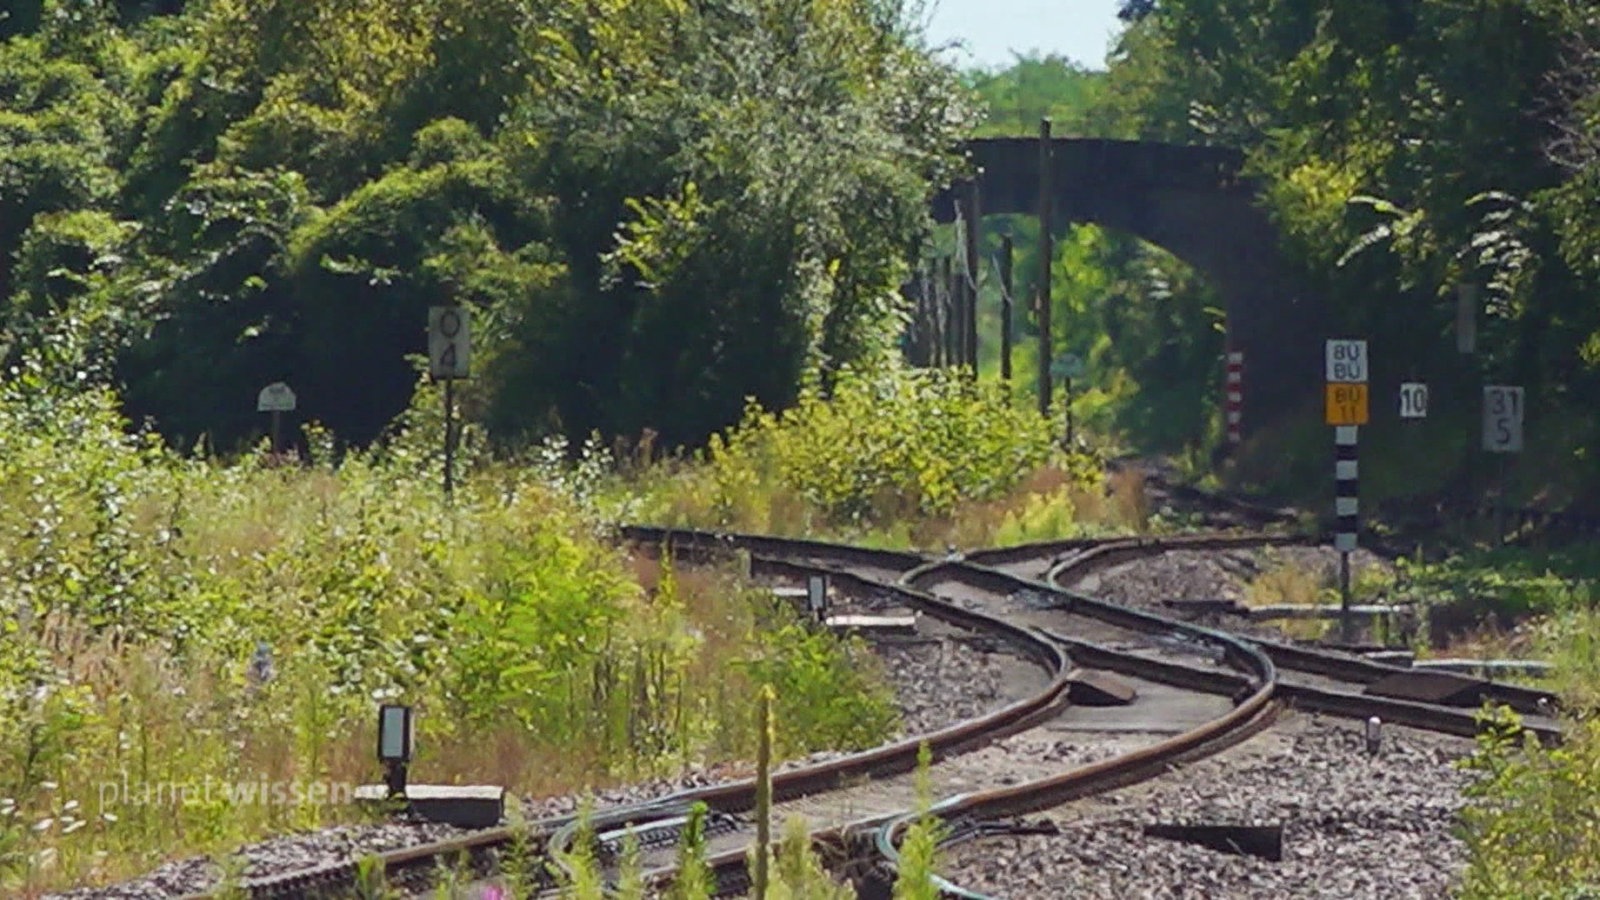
1200, 690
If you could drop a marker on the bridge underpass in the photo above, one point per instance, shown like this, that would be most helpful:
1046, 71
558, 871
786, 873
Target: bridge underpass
1193, 202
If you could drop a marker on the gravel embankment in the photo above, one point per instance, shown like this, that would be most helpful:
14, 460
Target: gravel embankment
1353, 827
936, 683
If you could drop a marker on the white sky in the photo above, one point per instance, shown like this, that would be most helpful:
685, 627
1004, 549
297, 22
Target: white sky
1080, 29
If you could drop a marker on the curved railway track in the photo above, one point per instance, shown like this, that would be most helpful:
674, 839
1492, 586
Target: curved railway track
1200, 691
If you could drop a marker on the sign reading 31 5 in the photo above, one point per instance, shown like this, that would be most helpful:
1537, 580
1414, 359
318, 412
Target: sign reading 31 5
449, 342
1502, 418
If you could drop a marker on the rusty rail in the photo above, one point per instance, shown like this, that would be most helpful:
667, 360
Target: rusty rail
1256, 694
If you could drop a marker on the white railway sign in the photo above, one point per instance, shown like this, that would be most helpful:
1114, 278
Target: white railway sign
1347, 361
1502, 418
449, 342
1413, 400
275, 397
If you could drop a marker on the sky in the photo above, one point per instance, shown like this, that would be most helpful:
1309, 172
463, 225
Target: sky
991, 29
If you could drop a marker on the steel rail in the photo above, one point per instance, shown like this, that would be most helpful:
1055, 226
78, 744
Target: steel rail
1077, 556
1293, 657
887, 760
1252, 712
859, 566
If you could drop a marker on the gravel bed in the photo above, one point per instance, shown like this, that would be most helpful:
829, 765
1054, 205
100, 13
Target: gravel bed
1213, 575
937, 682
1354, 827
940, 684
283, 854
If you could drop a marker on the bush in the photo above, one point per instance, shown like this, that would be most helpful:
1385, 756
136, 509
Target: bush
1529, 824
187, 628
883, 451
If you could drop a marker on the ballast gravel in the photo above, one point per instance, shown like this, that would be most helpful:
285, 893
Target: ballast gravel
1213, 574
1353, 826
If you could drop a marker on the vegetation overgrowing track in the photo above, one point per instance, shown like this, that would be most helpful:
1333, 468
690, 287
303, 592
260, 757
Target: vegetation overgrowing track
1060, 631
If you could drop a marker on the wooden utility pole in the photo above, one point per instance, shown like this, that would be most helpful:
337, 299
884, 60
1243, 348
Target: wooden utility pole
1043, 296
974, 215
1006, 251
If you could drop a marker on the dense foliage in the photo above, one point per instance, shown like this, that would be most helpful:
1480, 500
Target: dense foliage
1410, 149
904, 457
658, 209
179, 633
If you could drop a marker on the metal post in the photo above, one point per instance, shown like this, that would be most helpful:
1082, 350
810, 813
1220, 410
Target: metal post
1006, 251
449, 435
974, 218
1043, 294
1347, 512
1066, 400
1346, 626
1501, 505
277, 422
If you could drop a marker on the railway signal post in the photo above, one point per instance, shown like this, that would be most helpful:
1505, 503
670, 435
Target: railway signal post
1233, 410
276, 398
1346, 410
1067, 367
449, 358
1502, 433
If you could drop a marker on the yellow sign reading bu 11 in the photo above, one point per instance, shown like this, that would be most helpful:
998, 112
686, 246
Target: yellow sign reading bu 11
1347, 404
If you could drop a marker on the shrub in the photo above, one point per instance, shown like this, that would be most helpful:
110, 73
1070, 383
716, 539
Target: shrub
187, 629
890, 450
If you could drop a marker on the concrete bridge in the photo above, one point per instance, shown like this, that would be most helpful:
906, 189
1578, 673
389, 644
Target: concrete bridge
1193, 202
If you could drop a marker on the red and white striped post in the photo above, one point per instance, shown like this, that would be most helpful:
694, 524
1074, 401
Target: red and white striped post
1235, 393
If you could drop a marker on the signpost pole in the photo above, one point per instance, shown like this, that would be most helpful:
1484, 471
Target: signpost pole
1347, 509
449, 358
1347, 411
276, 399
449, 443
1066, 391
1067, 367
1346, 627
1503, 409
1500, 503
1233, 411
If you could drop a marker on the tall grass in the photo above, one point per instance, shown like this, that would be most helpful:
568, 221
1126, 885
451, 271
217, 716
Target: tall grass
180, 630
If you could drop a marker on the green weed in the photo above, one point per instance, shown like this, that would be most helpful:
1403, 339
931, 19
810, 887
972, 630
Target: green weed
194, 648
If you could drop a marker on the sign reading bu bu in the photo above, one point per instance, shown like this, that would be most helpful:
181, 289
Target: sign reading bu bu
1347, 361
1502, 419
449, 342
275, 397
1347, 404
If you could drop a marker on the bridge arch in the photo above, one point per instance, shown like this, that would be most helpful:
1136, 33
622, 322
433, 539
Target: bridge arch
1193, 202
